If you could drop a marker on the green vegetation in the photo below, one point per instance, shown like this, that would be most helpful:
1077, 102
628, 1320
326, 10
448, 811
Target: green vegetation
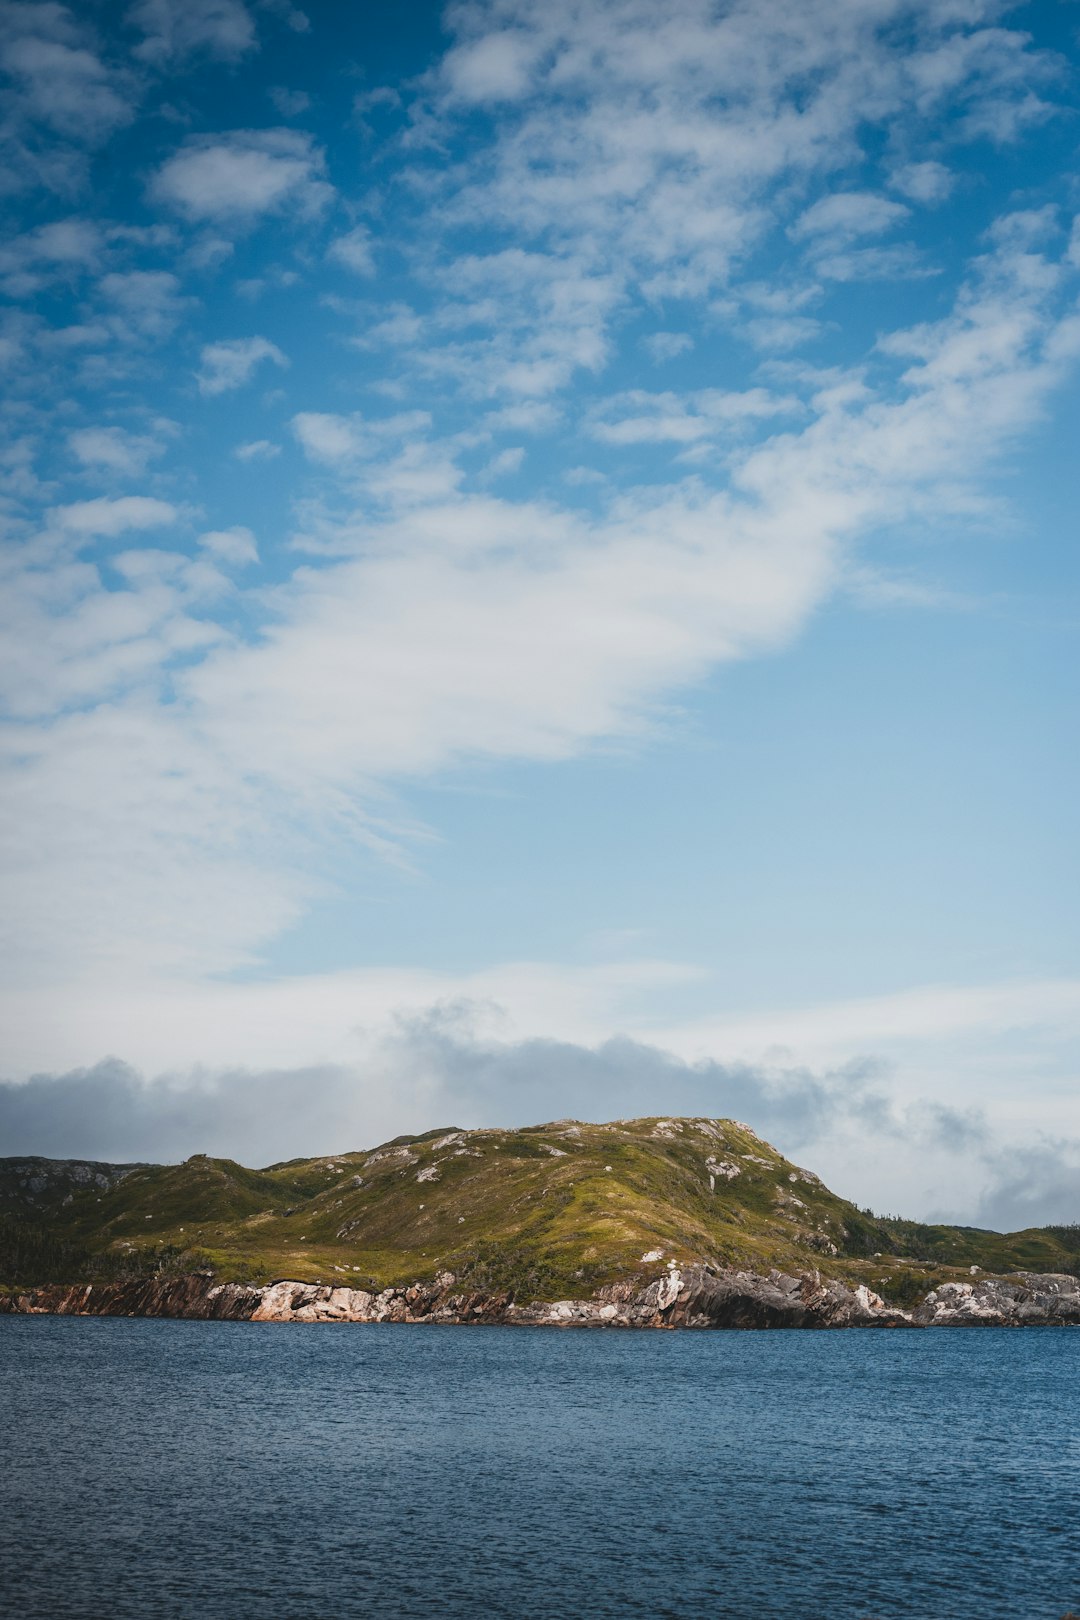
31, 1252
551, 1211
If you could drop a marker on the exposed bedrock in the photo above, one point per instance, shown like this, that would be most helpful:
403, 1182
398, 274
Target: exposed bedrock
696, 1297
1035, 1299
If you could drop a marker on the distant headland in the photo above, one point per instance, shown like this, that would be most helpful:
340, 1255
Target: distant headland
658, 1222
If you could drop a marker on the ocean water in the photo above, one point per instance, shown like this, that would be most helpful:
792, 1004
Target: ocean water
235, 1470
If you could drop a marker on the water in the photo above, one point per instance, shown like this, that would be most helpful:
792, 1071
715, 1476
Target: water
183, 1469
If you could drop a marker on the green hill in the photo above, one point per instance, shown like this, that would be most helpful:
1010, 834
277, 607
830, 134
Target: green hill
550, 1211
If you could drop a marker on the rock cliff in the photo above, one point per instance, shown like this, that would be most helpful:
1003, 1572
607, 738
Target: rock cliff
1029, 1300
696, 1298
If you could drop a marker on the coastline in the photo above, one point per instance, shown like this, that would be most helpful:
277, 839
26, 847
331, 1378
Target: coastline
694, 1298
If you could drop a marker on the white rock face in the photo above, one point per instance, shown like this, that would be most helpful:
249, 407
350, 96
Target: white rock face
447, 1141
313, 1302
722, 1169
1045, 1297
652, 1254
277, 1303
669, 1287
430, 1172
386, 1154
556, 1153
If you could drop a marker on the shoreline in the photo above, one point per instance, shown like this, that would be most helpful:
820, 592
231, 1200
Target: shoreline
692, 1298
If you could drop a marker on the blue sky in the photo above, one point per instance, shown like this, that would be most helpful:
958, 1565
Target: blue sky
530, 528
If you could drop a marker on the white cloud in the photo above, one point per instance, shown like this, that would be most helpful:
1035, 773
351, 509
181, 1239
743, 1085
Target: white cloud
779, 332
354, 251
441, 626
140, 851
326, 437
844, 216
1034, 1185
491, 69
504, 465
110, 517
234, 546
833, 1032
167, 833
238, 177
988, 75
639, 417
528, 416
257, 450
290, 15
900, 263
1073, 252
61, 81
668, 345
927, 182
208, 252
667, 583
657, 139
341, 441
144, 304
55, 251
177, 29
71, 647
289, 103
114, 449
232, 362
542, 319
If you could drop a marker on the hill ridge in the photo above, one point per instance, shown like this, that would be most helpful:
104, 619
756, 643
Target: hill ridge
552, 1210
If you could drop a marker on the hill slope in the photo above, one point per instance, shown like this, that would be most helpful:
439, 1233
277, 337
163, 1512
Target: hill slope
547, 1212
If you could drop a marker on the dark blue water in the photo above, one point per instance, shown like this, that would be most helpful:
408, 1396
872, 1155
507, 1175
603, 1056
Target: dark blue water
227, 1470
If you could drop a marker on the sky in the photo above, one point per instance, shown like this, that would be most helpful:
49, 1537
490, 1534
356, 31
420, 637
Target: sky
539, 579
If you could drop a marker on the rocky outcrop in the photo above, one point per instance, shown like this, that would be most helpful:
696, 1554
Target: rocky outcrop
38, 1185
697, 1297
1031, 1300
192, 1296
743, 1299
439, 1301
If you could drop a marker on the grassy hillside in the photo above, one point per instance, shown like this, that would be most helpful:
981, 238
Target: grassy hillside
551, 1211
